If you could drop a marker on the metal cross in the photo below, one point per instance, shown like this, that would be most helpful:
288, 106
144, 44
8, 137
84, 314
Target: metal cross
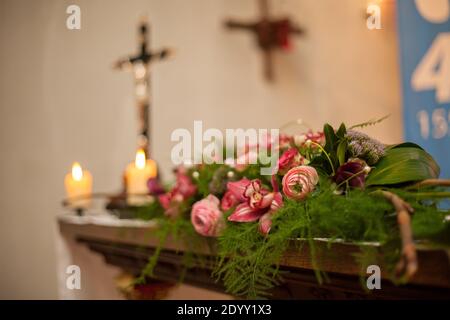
140, 64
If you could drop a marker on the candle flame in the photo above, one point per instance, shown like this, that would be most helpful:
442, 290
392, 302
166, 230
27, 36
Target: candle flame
77, 172
140, 159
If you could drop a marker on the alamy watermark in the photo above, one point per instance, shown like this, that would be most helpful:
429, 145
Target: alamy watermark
373, 17
374, 280
73, 281
73, 21
240, 147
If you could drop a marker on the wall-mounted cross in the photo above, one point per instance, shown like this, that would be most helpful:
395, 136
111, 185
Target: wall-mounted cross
140, 64
271, 34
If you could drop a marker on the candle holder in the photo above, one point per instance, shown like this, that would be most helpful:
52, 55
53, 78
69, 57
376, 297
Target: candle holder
116, 204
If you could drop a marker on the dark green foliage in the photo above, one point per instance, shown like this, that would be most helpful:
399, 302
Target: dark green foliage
335, 150
206, 174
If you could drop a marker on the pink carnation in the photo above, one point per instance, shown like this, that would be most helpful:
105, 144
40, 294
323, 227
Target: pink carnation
299, 182
207, 218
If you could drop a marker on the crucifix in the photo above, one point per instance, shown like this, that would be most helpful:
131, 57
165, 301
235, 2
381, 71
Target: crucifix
271, 34
139, 64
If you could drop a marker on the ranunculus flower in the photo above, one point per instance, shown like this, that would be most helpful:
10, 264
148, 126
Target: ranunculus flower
207, 218
299, 182
229, 200
354, 171
290, 158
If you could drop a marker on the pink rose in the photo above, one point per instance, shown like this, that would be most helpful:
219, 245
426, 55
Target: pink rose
229, 200
299, 182
207, 218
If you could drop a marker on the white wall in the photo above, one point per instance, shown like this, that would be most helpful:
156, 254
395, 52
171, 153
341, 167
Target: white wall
60, 100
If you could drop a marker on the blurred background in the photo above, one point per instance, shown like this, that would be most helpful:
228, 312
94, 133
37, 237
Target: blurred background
61, 101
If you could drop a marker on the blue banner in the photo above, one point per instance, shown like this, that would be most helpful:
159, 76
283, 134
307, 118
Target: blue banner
424, 38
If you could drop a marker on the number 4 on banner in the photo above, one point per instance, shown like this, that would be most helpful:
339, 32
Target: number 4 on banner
433, 72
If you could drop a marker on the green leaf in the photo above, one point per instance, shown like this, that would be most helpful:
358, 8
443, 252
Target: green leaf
330, 138
341, 131
403, 164
341, 151
405, 145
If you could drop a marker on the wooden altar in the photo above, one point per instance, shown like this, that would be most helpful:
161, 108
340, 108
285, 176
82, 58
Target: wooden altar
128, 245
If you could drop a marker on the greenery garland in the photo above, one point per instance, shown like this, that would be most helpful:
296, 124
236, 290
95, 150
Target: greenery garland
339, 208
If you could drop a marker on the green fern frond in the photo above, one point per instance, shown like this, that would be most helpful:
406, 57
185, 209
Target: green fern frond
370, 122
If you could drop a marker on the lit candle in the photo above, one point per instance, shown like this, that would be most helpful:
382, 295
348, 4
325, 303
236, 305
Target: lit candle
78, 184
136, 176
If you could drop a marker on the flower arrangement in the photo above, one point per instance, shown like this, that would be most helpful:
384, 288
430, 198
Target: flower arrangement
328, 184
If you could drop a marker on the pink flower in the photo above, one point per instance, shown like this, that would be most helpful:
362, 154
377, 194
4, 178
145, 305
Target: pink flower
164, 200
170, 202
207, 218
301, 140
257, 197
285, 141
299, 182
184, 185
183, 189
237, 188
245, 213
256, 200
277, 202
290, 158
154, 186
265, 223
229, 200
